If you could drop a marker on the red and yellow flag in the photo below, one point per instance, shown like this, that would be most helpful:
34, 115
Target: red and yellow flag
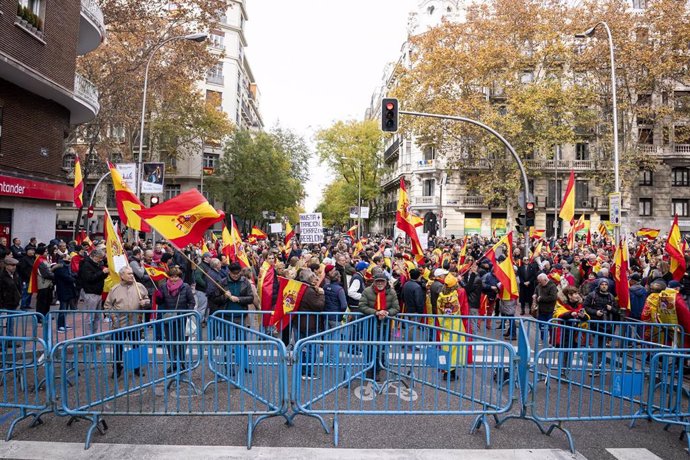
649, 233
504, 270
576, 227
128, 204
568, 203
258, 234
289, 233
267, 275
78, 184
463, 252
674, 247
290, 293
116, 255
416, 220
184, 219
352, 232
232, 244
156, 274
620, 275
33, 279
405, 223
603, 231
537, 250
536, 233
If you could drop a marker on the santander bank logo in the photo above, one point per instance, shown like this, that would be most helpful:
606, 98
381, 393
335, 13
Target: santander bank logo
14, 189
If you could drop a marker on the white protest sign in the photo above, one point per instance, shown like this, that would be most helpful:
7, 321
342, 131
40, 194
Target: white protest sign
276, 228
311, 228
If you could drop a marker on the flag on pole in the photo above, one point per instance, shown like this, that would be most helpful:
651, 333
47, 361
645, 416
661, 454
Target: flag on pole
352, 232
674, 248
463, 252
416, 220
537, 250
568, 203
649, 233
620, 275
290, 293
258, 234
504, 270
536, 233
232, 244
404, 222
576, 227
117, 257
265, 285
155, 273
603, 231
78, 184
289, 233
128, 205
184, 219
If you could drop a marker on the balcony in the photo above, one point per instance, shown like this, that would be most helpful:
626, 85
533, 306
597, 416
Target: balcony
565, 165
86, 92
472, 201
392, 149
394, 175
666, 151
215, 79
423, 166
425, 201
91, 27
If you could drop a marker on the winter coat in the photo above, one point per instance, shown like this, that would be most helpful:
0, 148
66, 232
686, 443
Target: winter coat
638, 295
367, 304
597, 300
473, 287
64, 284
335, 299
414, 297
91, 276
242, 289
126, 297
184, 300
10, 290
546, 297
312, 301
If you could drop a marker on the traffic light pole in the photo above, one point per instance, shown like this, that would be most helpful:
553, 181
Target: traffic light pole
510, 148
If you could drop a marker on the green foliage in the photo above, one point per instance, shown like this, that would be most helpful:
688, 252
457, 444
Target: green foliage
335, 204
255, 174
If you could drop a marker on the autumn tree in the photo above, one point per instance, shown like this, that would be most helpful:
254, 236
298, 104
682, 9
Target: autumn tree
345, 146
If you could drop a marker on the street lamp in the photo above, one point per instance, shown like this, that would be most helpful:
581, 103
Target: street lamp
588, 33
197, 37
359, 194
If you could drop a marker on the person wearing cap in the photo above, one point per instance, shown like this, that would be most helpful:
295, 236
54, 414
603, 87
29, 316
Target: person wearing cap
238, 293
451, 303
378, 300
10, 292
436, 288
357, 284
601, 306
638, 296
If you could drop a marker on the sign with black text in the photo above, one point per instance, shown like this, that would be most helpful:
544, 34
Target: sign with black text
311, 228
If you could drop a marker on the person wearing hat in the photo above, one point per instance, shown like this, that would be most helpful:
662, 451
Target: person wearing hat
601, 306
664, 305
451, 303
24, 269
10, 291
638, 296
357, 284
378, 300
436, 288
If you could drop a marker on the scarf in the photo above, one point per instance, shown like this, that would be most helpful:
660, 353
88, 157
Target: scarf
174, 286
33, 280
380, 300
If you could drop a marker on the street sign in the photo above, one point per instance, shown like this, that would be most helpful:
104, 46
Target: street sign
355, 215
615, 209
311, 228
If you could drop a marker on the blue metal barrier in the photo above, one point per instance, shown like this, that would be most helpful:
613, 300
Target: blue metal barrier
669, 402
131, 372
656, 334
461, 375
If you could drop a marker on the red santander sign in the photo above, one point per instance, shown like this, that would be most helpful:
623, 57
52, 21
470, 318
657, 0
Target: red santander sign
25, 188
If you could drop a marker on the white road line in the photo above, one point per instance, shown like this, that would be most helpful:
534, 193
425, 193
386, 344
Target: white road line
75, 451
633, 454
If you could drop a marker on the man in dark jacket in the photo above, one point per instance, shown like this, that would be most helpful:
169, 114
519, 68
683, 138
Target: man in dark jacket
638, 295
600, 305
238, 293
546, 295
24, 268
10, 293
313, 300
472, 282
413, 294
17, 250
92, 275
436, 288
379, 300
527, 274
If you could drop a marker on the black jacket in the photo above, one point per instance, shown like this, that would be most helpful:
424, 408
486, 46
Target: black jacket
473, 287
546, 297
10, 290
184, 300
91, 276
26, 264
597, 300
414, 297
241, 289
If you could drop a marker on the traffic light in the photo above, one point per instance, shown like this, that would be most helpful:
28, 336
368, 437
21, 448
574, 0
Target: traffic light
529, 214
389, 115
154, 200
89, 212
520, 223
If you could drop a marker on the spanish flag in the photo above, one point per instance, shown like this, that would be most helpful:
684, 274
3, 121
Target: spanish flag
576, 227
405, 222
156, 274
128, 204
289, 233
416, 220
184, 219
351, 232
290, 293
258, 234
674, 247
620, 275
463, 252
78, 184
568, 204
359, 247
649, 233
603, 231
535, 233
33, 279
117, 258
232, 244
267, 275
537, 250
504, 270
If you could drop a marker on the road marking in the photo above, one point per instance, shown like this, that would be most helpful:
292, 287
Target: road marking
633, 454
75, 451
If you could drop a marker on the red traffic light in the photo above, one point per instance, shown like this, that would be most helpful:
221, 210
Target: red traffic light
154, 200
390, 106
89, 212
529, 206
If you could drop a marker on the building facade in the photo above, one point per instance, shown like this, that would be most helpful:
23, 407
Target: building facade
439, 192
41, 96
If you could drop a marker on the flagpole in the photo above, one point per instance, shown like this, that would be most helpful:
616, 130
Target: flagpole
202, 271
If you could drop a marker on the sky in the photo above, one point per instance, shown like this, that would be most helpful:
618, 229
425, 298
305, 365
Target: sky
319, 61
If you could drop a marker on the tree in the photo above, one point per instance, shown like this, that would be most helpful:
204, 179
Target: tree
255, 175
343, 147
335, 204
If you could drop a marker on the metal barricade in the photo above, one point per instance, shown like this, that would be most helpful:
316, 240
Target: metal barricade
18, 323
131, 372
656, 334
502, 328
669, 401
359, 369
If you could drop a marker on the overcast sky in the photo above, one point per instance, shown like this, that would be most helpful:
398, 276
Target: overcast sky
319, 61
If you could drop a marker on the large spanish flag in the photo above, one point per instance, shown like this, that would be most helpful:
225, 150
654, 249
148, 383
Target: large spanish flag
289, 233
620, 275
576, 227
649, 233
674, 247
504, 270
117, 257
156, 274
568, 203
267, 275
258, 233
404, 221
184, 219
128, 204
290, 293
536, 233
78, 184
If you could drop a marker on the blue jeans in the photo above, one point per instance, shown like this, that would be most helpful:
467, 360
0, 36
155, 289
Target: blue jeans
26, 297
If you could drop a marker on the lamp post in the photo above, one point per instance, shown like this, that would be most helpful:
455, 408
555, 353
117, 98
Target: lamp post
588, 33
198, 37
359, 194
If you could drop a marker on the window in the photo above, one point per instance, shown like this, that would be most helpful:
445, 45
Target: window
210, 160
555, 193
170, 161
428, 187
116, 157
527, 77
172, 190
116, 133
93, 160
215, 99
582, 151
646, 178
639, 4
215, 74
582, 193
681, 100
680, 177
68, 161
645, 136
680, 207
429, 153
111, 202
216, 41
32, 11
645, 206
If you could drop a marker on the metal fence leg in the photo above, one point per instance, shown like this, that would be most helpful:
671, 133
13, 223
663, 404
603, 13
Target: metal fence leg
250, 431
480, 421
335, 429
96, 423
559, 426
